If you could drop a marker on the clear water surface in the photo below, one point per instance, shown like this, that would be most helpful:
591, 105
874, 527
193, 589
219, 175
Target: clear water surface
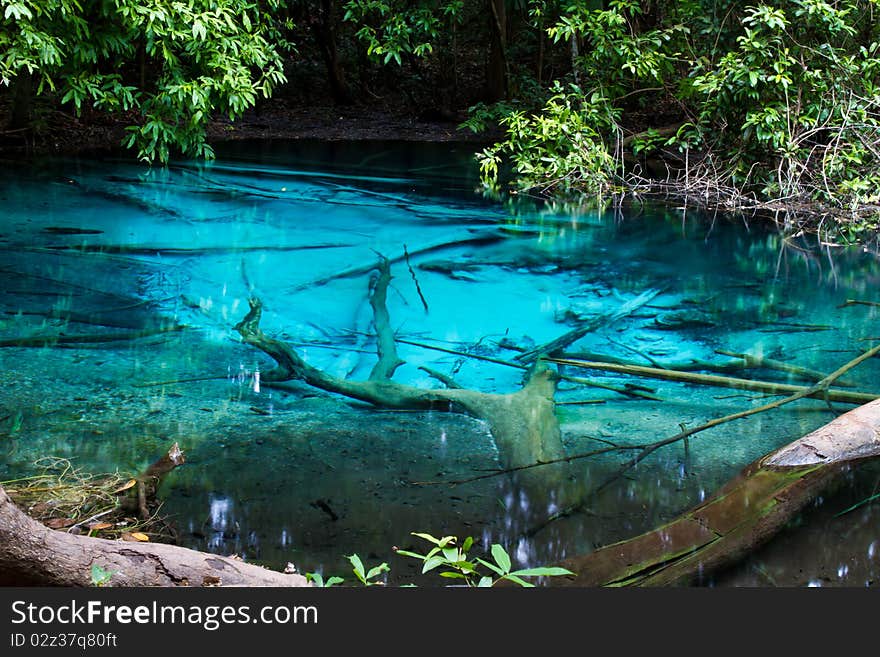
98, 249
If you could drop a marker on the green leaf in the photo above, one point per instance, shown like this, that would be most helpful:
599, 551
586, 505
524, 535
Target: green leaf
466, 546
99, 576
451, 554
407, 553
485, 582
378, 570
432, 563
521, 582
427, 537
464, 566
491, 566
453, 575
18, 11
548, 571
358, 566
199, 31
501, 557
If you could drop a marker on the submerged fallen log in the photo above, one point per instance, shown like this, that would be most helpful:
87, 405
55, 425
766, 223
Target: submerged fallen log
587, 326
523, 424
87, 338
844, 396
742, 515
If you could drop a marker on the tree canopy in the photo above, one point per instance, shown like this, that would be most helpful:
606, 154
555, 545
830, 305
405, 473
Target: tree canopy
770, 100
170, 64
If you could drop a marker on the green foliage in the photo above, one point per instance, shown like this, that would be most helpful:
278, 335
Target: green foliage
198, 58
619, 55
318, 580
101, 577
367, 577
453, 562
794, 106
778, 100
392, 30
562, 148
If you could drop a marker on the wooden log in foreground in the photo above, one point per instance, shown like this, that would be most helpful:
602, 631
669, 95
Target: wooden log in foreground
742, 515
32, 554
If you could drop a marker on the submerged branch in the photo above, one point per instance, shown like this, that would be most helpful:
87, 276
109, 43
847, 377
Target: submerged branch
448, 381
388, 361
843, 396
587, 326
751, 360
628, 391
647, 450
859, 302
479, 239
87, 338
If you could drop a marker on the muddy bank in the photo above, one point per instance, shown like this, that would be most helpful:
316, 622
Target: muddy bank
95, 133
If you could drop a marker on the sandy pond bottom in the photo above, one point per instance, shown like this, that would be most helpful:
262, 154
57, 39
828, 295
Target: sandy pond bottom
300, 476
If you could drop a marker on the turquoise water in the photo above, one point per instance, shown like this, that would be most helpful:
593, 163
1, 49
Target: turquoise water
105, 257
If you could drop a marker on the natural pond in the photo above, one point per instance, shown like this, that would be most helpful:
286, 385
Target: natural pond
122, 287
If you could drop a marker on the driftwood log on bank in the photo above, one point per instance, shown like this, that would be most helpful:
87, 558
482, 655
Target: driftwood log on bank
741, 516
31, 554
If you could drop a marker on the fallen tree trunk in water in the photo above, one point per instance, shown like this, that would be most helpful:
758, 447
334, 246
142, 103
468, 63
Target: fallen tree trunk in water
31, 554
745, 513
830, 394
523, 424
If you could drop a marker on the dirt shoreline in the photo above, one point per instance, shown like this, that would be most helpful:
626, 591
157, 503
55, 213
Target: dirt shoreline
96, 134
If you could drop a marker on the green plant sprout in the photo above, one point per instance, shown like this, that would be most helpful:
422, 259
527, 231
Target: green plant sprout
367, 577
318, 580
101, 577
454, 560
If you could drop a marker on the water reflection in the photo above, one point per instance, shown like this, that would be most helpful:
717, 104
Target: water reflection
220, 524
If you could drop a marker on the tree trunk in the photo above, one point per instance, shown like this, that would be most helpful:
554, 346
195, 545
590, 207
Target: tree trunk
325, 35
497, 77
31, 554
22, 101
742, 515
